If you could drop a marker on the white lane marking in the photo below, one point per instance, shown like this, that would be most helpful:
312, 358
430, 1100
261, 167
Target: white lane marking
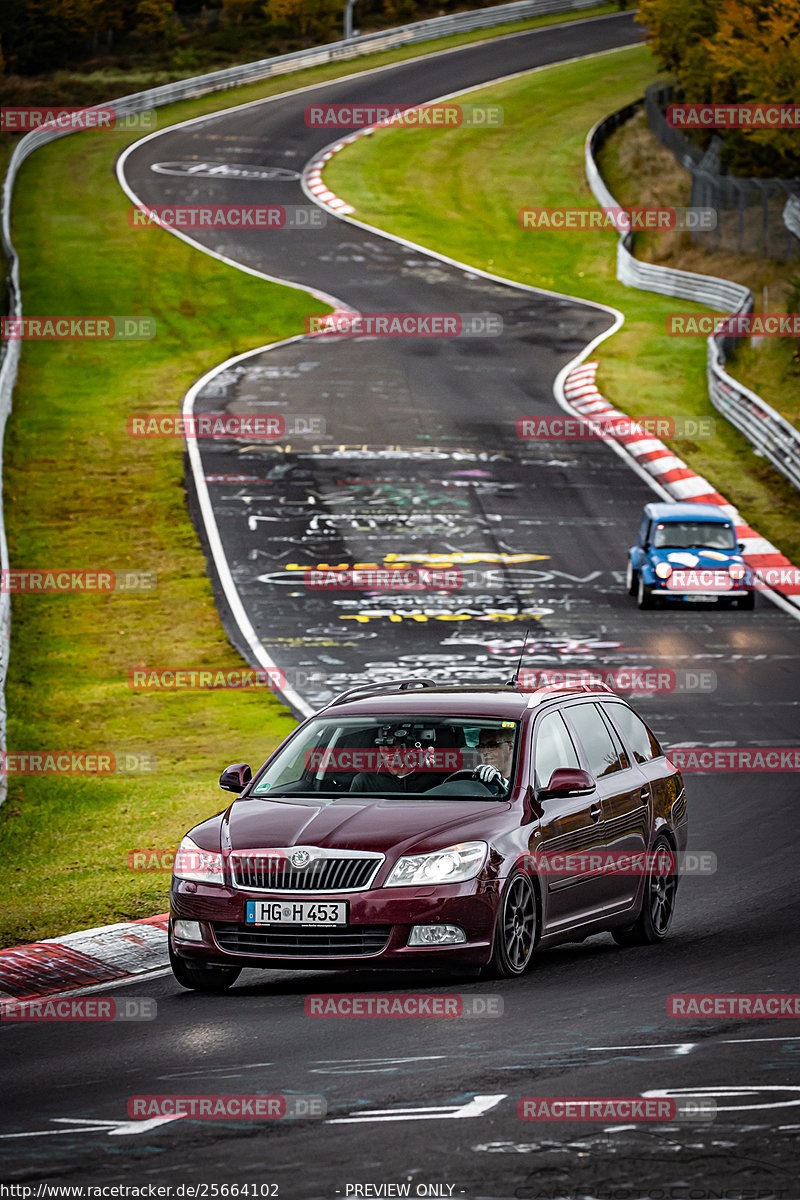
238, 612
734, 1092
476, 1107
83, 1125
367, 1066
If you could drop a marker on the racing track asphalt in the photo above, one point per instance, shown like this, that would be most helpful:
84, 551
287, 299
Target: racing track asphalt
588, 1020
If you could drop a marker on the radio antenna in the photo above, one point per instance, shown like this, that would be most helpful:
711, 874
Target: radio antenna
513, 680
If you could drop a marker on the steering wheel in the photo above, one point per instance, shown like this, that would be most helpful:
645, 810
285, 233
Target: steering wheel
469, 773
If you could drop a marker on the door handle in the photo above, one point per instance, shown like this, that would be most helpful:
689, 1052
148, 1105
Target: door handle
644, 795
594, 812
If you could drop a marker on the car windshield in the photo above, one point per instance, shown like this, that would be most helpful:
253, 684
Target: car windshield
436, 757
683, 535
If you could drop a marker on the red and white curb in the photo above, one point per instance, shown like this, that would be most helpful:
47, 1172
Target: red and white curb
312, 176
677, 479
92, 956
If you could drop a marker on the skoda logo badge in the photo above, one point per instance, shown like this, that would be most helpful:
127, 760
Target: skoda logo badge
300, 858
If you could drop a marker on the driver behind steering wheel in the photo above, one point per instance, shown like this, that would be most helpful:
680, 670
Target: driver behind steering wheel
495, 747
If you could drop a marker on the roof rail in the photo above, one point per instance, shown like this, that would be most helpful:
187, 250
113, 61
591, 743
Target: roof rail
553, 689
390, 685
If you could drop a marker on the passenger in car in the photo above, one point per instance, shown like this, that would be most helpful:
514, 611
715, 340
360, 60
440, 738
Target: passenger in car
398, 769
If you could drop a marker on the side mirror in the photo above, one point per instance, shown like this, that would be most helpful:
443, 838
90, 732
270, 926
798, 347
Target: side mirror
568, 781
236, 777
741, 547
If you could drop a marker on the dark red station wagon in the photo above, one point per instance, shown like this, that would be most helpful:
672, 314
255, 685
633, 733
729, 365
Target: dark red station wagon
408, 824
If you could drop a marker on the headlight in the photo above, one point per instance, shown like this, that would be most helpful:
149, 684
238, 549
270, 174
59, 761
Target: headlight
663, 570
453, 865
737, 571
203, 866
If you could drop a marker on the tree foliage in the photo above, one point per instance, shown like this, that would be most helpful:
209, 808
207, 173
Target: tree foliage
727, 51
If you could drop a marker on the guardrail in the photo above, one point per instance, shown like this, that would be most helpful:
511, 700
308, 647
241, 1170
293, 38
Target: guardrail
791, 215
770, 433
183, 89
749, 208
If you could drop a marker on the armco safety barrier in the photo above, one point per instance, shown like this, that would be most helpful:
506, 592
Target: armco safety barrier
201, 85
791, 215
766, 429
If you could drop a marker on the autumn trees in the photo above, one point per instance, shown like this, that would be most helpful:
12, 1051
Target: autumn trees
724, 51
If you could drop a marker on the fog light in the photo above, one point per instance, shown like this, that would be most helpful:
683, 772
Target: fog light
187, 931
436, 935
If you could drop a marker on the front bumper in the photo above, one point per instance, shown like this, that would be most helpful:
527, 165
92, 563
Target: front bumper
674, 594
380, 922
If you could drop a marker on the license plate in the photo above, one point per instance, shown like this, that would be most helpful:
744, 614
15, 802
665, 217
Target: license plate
296, 912
702, 598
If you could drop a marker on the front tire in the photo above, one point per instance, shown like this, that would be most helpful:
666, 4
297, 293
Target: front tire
747, 602
515, 930
644, 594
631, 579
211, 979
658, 904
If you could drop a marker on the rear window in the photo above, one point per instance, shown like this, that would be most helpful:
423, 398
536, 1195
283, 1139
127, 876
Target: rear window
635, 733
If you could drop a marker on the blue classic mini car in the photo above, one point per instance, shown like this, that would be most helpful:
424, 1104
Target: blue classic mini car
688, 552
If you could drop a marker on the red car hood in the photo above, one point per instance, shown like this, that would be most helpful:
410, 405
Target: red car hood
359, 823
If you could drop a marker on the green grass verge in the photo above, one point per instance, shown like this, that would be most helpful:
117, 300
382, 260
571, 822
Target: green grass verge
79, 492
460, 190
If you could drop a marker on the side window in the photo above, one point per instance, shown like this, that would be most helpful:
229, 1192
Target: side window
622, 753
636, 734
643, 528
553, 749
595, 738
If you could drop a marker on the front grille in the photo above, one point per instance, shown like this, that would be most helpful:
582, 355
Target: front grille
289, 942
259, 872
